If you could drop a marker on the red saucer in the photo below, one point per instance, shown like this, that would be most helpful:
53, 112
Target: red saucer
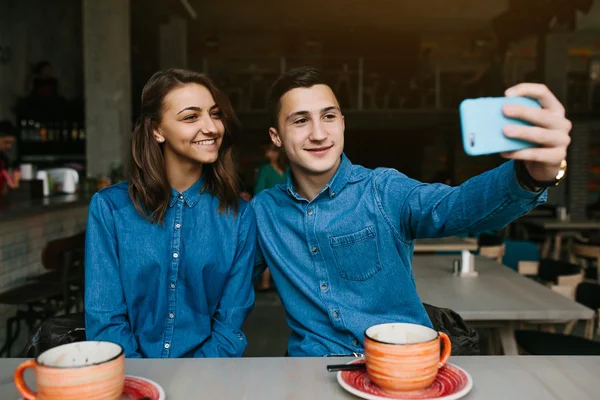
138, 388
450, 383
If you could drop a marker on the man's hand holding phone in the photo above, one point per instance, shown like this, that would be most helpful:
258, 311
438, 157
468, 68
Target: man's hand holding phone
549, 131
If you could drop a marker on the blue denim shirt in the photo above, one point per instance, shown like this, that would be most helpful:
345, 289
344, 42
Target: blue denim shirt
342, 262
179, 290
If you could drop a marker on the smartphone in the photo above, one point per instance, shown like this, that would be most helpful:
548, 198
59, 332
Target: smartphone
482, 122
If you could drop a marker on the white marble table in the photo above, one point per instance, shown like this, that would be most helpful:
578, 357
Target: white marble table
494, 378
498, 297
452, 243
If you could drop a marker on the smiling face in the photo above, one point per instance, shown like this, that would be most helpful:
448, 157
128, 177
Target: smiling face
191, 128
310, 127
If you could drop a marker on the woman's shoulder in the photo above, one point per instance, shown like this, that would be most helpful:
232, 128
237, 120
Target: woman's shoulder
116, 195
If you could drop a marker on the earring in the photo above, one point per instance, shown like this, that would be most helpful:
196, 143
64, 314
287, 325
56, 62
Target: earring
160, 140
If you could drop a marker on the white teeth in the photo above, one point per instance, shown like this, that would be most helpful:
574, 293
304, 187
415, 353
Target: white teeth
206, 142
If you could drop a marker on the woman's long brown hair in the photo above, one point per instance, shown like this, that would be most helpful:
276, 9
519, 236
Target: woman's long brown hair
149, 187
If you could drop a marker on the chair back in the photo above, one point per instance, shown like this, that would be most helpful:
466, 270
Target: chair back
521, 251
496, 252
53, 251
588, 294
585, 250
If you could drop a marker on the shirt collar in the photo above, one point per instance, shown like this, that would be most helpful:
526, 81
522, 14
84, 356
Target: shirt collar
191, 196
335, 185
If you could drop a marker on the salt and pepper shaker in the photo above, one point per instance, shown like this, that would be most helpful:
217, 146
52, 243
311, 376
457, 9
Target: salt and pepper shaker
456, 267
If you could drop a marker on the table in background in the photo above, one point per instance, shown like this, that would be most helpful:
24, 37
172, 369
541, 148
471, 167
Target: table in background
515, 378
452, 243
556, 230
498, 298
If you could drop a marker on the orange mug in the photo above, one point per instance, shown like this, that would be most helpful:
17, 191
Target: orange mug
402, 357
80, 370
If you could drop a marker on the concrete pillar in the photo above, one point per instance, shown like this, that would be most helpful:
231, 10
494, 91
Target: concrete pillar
555, 76
107, 75
173, 43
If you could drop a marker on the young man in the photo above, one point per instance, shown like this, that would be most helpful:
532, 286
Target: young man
338, 238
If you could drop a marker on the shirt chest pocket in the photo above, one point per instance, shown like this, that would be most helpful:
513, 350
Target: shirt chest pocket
356, 254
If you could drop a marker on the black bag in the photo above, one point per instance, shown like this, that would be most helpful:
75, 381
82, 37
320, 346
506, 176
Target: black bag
465, 340
55, 331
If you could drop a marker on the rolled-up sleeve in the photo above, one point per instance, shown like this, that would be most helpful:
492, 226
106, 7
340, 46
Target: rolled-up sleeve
105, 309
237, 300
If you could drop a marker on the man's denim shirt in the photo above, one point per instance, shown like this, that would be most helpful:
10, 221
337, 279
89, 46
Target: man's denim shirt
342, 262
179, 290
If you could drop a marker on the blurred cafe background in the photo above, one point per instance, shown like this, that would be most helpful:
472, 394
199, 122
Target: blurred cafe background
71, 75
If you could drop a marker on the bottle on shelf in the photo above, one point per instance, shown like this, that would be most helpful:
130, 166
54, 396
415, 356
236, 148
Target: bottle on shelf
37, 132
65, 132
51, 132
24, 130
75, 132
31, 130
44, 133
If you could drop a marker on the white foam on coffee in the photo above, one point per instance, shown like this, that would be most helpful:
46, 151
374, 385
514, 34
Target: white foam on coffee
401, 333
79, 354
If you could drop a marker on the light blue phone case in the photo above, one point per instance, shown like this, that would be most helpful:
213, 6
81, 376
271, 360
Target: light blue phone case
482, 122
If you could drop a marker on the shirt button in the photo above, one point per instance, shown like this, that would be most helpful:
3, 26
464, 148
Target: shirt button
175, 255
177, 226
336, 314
167, 345
181, 197
172, 286
355, 342
314, 249
324, 287
171, 315
310, 212
332, 194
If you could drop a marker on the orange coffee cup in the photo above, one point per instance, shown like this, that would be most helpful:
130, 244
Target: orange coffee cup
402, 357
80, 370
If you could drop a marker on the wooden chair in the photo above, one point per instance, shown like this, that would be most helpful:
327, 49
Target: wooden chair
44, 295
528, 267
491, 246
589, 254
559, 276
567, 284
495, 252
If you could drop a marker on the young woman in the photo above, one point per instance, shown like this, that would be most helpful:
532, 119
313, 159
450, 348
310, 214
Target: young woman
272, 173
169, 254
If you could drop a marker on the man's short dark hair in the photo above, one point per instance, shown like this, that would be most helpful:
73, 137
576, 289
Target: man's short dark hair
301, 77
7, 129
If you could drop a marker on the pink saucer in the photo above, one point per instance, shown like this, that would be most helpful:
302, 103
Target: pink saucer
138, 388
450, 383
